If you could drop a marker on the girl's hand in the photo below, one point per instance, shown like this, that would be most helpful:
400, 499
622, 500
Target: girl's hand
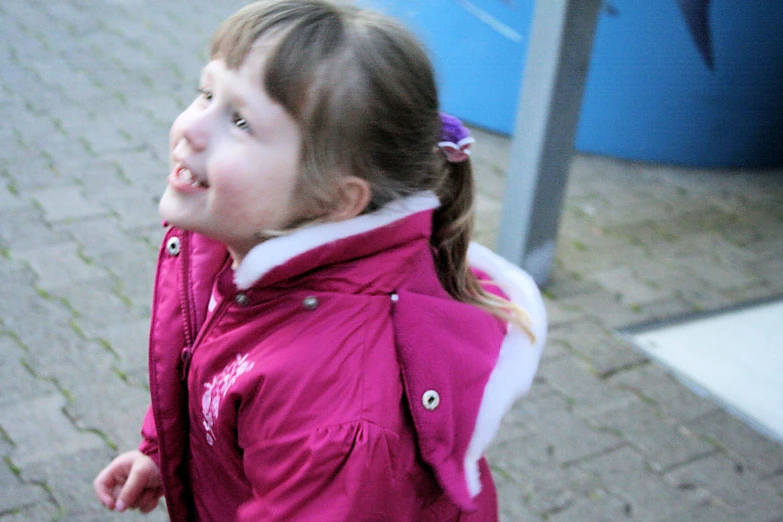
131, 481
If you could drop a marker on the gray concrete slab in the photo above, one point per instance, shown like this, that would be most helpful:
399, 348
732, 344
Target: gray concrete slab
89, 89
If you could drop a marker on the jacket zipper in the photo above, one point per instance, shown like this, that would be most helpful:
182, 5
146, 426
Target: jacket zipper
186, 356
186, 303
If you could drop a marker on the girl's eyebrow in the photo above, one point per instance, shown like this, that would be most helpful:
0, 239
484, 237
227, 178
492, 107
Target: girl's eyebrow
206, 71
237, 100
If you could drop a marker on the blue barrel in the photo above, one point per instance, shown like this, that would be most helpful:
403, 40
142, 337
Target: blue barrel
649, 94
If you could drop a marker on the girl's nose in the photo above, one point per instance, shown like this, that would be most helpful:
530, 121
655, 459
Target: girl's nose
195, 129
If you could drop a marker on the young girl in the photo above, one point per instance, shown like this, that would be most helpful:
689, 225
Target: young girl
320, 349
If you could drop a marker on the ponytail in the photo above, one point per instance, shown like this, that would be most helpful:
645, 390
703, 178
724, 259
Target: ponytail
451, 235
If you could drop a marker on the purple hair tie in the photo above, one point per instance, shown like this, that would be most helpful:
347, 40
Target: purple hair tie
455, 139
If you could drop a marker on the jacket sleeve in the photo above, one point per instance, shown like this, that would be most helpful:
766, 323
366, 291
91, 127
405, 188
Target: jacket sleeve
149, 444
341, 472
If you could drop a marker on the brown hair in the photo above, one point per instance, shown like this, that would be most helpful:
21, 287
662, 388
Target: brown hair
363, 91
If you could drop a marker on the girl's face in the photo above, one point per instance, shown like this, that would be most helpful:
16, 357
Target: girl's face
234, 160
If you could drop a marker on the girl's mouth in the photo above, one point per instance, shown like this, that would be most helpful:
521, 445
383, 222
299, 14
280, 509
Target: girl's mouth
183, 179
186, 176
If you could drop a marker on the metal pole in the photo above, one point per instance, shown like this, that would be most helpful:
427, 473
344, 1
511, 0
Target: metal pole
550, 103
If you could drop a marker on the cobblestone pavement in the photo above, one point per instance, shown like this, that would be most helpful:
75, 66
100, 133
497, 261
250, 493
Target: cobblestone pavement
88, 90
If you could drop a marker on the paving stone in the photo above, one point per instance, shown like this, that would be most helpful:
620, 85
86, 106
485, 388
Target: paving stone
589, 249
775, 481
135, 210
142, 167
8, 200
32, 171
604, 307
103, 137
87, 171
41, 431
38, 512
61, 354
597, 507
511, 501
18, 382
96, 305
25, 228
654, 384
151, 236
530, 464
750, 448
771, 272
586, 393
134, 272
562, 285
701, 511
622, 280
707, 298
663, 442
117, 418
721, 277
66, 203
624, 475
560, 313
748, 497
569, 438
751, 294
97, 237
604, 351
125, 255
16, 495
521, 419
553, 350
17, 277
663, 310
23, 318
59, 265
128, 339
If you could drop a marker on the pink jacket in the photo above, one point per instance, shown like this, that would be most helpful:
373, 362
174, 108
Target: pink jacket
330, 377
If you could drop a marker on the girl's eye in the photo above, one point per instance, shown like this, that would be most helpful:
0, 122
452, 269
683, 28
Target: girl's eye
241, 122
205, 93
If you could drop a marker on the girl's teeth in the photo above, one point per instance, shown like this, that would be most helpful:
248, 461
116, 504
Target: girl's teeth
187, 177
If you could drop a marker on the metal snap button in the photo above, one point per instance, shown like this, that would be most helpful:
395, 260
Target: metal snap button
241, 299
310, 303
172, 246
430, 399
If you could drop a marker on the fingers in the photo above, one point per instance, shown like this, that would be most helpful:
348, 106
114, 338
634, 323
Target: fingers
132, 480
142, 484
109, 481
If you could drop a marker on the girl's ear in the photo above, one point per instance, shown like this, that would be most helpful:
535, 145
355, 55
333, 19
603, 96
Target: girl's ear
353, 196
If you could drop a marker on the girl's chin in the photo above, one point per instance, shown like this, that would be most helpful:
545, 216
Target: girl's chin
172, 211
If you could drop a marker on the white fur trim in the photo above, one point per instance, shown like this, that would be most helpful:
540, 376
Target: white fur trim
277, 251
518, 359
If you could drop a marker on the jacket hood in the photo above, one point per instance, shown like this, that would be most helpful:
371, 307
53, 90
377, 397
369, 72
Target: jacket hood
518, 358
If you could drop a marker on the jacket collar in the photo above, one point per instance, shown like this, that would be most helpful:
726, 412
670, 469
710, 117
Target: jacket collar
277, 251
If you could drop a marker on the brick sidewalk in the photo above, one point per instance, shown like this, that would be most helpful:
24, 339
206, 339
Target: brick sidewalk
89, 89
